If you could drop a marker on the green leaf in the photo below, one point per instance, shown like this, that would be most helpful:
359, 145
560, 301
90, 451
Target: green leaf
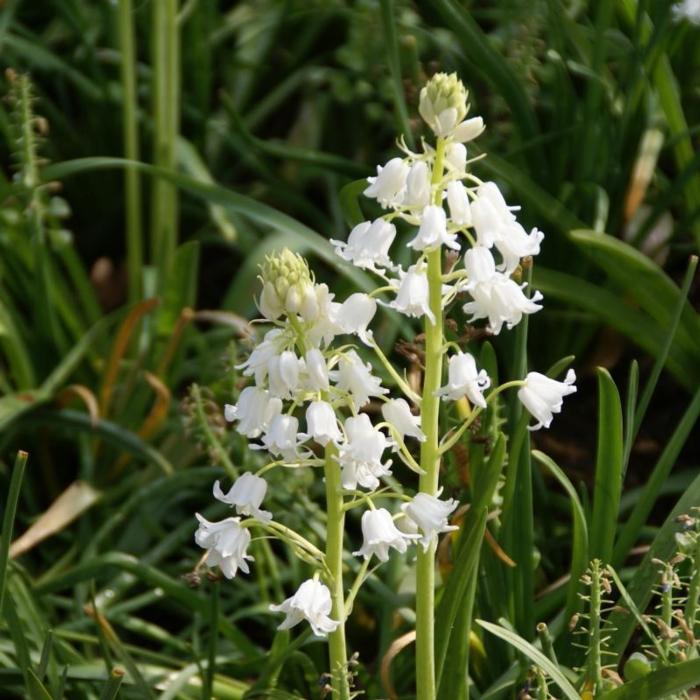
535, 655
608, 473
349, 201
662, 683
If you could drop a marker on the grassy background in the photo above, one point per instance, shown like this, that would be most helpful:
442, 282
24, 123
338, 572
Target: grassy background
124, 284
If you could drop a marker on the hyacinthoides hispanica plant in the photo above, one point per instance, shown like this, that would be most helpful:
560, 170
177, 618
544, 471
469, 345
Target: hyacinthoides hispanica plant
300, 370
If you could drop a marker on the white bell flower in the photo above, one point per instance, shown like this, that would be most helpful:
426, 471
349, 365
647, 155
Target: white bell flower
398, 413
258, 360
254, 410
311, 602
480, 265
412, 293
226, 543
281, 438
355, 376
433, 231
515, 244
389, 185
283, 374
321, 423
456, 156
501, 300
246, 494
381, 534
468, 130
270, 305
315, 377
355, 314
361, 455
463, 379
458, 201
417, 186
543, 396
368, 245
430, 515
322, 328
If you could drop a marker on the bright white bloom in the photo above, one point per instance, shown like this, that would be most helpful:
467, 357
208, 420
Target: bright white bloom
412, 293
543, 396
226, 543
465, 380
430, 515
355, 314
361, 455
380, 534
458, 200
258, 360
311, 602
468, 130
247, 493
516, 244
254, 410
389, 186
433, 231
355, 376
316, 374
398, 413
368, 244
321, 311
283, 374
417, 186
269, 303
501, 300
480, 265
321, 423
281, 438
456, 156
687, 9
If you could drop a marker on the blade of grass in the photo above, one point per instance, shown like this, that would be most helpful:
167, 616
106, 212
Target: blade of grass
8, 519
110, 689
608, 472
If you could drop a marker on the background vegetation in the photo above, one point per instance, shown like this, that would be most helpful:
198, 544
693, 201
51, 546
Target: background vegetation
154, 151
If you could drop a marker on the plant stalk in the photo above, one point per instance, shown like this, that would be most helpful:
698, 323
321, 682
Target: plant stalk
430, 459
334, 562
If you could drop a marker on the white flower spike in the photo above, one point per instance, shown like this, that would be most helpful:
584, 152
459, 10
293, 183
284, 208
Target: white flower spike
543, 396
281, 438
226, 543
246, 494
430, 515
381, 534
355, 314
311, 602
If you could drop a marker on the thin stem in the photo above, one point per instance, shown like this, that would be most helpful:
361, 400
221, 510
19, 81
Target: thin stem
130, 135
334, 561
400, 382
430, 457
359, 580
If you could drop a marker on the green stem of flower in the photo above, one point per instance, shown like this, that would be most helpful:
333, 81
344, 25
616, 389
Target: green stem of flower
334, 562
430, 458
400, 382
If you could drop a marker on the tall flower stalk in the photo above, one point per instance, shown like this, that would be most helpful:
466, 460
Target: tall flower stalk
311, 367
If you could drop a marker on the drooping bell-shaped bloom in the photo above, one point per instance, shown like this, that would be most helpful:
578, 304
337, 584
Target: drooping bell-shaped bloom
360, 456
322, 313
458, 201
398, 413
315, 377
355, 314
417, 195
321, 423
253, 411
480, 265
515, 244
355, 376
456, 157
430, 515
257, 363
368, 245
468, 130
433, 231
463, 379
226, 543
543, 396
283, 374
389, 185
502, 301
380, 534
312, 602
281, 438
412, 293
246, 494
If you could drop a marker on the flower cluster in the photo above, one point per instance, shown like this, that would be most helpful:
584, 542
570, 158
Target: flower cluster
306, 404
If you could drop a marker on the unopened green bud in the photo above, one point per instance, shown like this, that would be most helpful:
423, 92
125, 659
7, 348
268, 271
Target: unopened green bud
443, 103
285, 277
637, 666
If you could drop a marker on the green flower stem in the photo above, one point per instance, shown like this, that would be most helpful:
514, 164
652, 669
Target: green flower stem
334, 562
430, 457
400, 382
